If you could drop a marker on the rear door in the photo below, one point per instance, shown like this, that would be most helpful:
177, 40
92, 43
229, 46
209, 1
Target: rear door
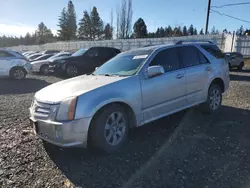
5, 62
197, 71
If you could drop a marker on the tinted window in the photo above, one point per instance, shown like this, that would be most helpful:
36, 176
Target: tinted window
168, 59
93, 52
189, 56
214, 50
5, 54
202, 58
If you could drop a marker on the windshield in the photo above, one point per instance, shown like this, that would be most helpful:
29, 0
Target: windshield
79, 52
58, 55
126, 64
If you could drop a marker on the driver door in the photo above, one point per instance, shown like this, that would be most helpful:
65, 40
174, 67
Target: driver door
164, 94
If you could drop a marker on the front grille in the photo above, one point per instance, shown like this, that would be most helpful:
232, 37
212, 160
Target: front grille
43, 110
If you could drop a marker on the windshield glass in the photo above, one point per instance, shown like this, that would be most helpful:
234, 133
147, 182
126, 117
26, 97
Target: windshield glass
79, 52
125, 64
58, 55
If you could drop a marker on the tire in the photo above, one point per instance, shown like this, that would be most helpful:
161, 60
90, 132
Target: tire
18, 73
109, 129
44, 69
213, 103
72, 71
240, 67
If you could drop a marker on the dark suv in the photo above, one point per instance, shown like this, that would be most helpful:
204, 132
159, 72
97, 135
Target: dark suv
83, 61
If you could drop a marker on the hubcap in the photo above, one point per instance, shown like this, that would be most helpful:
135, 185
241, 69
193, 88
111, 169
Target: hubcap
45, 70
19, 74
115, 128
215, 99
72, 71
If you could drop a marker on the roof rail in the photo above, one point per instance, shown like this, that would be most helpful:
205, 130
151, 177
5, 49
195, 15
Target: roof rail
194, 41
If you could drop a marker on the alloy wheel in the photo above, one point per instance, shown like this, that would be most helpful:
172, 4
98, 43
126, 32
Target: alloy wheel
115, 128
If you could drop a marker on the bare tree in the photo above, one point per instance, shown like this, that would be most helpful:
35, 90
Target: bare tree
111, 21
117, 21
124, 15
129, 19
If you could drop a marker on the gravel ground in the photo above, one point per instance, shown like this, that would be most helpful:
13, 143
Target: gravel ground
188, 149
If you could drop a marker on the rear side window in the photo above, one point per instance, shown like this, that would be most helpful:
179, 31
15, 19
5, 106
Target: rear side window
214, 50
5, 54
168, 59
189, 56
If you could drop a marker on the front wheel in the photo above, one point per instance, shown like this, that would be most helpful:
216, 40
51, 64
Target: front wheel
45, 69
109, 129
214, 99
71, 71
18, 73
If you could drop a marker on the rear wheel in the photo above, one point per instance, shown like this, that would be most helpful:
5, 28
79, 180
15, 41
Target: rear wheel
71, 71
214, 99
109, 129
44, 69
18, 73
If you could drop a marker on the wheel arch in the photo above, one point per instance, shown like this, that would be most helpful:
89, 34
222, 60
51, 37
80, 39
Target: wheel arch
218, 81
127, 107
17, 67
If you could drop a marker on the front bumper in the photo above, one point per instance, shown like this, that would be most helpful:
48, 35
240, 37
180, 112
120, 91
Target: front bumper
64, 134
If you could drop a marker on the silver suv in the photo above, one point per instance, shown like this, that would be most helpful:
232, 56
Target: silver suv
13, 64
130, 90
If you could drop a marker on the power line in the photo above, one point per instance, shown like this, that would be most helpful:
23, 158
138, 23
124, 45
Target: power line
232, 4
222, 14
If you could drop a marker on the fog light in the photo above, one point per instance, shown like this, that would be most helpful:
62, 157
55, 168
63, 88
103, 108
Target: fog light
58, 132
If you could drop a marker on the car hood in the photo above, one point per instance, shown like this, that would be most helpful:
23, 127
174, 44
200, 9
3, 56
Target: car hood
38, 62
55, 93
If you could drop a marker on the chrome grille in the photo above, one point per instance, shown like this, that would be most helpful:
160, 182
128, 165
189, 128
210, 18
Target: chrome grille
44, 111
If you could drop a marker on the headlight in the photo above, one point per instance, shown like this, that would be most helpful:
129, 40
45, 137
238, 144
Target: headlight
62, 61
67, 109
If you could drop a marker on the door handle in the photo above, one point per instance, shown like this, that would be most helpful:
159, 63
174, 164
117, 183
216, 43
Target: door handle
208, 69
179, 76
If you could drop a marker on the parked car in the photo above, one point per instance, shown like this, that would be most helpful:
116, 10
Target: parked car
42, 66
13, 64
83, 61
33, 56
43, 57
235, 60
50, 52
130, 90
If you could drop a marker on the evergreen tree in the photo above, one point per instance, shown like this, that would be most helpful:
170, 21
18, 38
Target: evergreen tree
191, 30
140, 29
177, 31
240, 31
185, 32
195, 32
168, 32
213, 31
225, 31
96, 24
44, 34
201, 32
108, 32
71, 21
63, 32
217, 31
84, 31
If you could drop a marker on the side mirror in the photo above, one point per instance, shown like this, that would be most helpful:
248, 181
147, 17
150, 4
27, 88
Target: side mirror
154, 71
96, 68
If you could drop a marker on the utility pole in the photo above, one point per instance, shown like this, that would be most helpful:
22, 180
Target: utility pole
232, 41
208, 13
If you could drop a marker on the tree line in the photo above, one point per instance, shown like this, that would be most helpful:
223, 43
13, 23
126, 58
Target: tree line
92, 27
